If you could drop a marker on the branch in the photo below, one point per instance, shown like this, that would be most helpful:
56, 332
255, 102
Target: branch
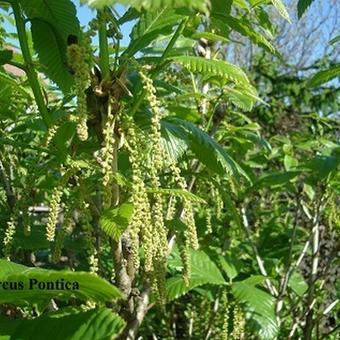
30, 71
259, 260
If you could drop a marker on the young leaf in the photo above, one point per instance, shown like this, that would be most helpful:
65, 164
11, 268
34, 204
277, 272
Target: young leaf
68, 323
115, 221
91, 287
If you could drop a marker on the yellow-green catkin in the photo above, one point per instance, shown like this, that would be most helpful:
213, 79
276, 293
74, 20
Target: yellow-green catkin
53, 216
238, 324
108, 152
141, 218
78, 56
50, 134
188, 211
224, 335
159, 233
8, 239
208, 221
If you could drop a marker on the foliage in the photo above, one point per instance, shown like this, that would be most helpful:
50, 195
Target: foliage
188, 197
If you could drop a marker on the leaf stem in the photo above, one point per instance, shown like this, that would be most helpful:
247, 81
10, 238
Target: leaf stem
103, 46
29, 68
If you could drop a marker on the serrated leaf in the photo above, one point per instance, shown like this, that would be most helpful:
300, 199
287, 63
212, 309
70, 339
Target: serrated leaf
281, 8
52, 54
302, 6
201, 5
218, 68
244, 97
244, 27
115, 221
61, 15
206, 149
203, 271
324, 76
68, 323
261, 305
91, 287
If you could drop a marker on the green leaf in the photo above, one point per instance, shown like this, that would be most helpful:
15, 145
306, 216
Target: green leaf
297, 284
203, 271
281, 8
324, 76
52, 54
261, 305
230, 265
335, 40
91, 287
150, 26
206, 149
243, 97
218, 68
276, 178
179, 193
61, 15
5, 56
244, 27
209, 36
115, 221
69, 323
201, 5
302, 6
322, 166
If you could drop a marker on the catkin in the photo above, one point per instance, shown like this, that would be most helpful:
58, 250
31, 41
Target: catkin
78, 59
8, 239
53, 216
108, 158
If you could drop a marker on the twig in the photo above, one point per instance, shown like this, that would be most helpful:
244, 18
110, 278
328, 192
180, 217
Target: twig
259, 260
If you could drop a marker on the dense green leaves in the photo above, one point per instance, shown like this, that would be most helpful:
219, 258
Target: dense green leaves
71, 323
89, 286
